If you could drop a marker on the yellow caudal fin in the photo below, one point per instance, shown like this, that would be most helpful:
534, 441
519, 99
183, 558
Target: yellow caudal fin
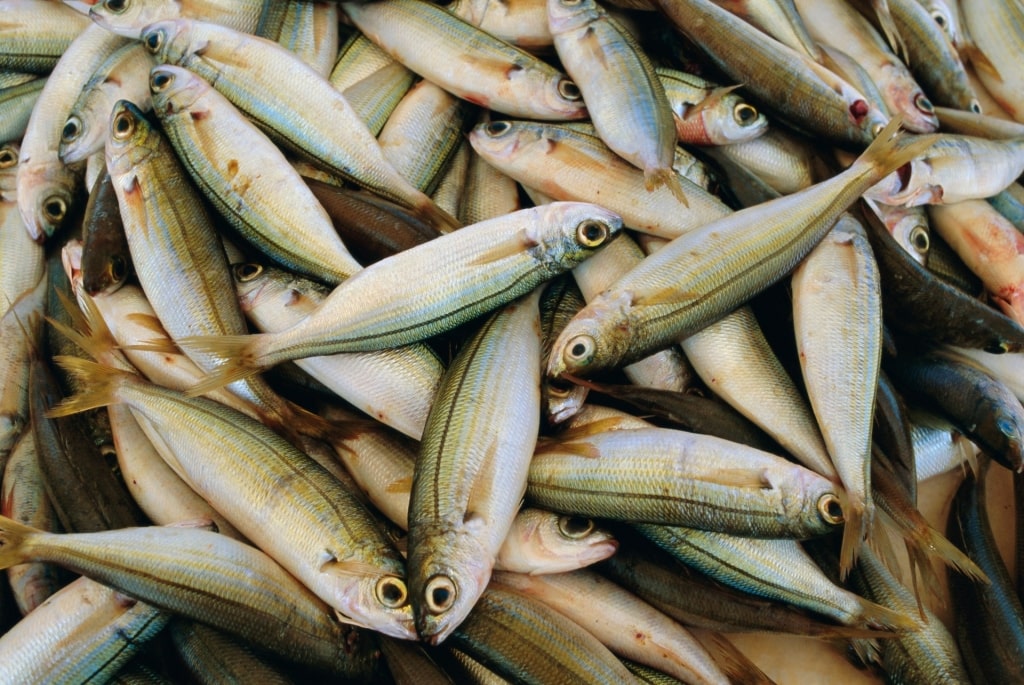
734, 664
89, 331
100, 384
855, 531
665, 176
879, 617
239, 362
13, 536
891, 149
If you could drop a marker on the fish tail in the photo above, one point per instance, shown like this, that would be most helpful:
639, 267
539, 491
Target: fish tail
88, 330
240, 361
665, 176
427, 210
854, 533
929, 541
881, 618
100, 384
736, 666
890, 150
14, 538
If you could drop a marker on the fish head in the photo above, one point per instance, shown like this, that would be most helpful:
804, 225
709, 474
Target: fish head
570, 15
172, 41
80, 137
728, 119
566, 233
46, 193
562, 97
367, 598
448, 572
597, 338
816, 501
502, 139
175, 89
132, 140
561, 399
128, 17
546, 542
912, 232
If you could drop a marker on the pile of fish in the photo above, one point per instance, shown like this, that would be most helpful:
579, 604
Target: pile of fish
537, 341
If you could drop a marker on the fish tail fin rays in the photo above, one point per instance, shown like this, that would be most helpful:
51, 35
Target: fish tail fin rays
88, 330
890, 150
736, 666
880, 618
100, 385
855, 532
14, 538
665, 176
925, 543
240, 360
427, 210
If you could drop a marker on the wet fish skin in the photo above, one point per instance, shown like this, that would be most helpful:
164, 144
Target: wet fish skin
106, 260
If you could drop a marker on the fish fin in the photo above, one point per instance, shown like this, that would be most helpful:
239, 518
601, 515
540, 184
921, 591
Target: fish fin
714, 98
931, 542
159, 345
868, 651
506, 248
583, 449
747, 479
665, 176
973, 54
88, 330
881, 618
593, 428
854, 533
348, 568
148, 321
737, 667
892, 34
435, 216
239, 362
400, 486
99, 385
890, 150
14, 538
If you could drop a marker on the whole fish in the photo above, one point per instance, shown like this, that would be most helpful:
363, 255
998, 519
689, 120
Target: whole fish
706, 273
467, 61
247, 177
291, 102
470, 475
624, 96
427, 289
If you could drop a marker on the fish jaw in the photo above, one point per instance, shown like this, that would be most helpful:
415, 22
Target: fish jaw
357, 603
45, 195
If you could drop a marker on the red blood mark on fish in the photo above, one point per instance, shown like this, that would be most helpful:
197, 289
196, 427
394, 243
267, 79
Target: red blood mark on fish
858, 110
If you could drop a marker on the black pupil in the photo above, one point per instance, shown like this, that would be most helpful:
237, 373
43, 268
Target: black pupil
54, 208
440, 596
117, 268
153, 41
592, 232
160, 80
70, 129
578, 349
122, 124
6, 158
940, 20
746, 113
115, 4
920, 241
497, 127
247, 271
391, 593
574, 525
834, 510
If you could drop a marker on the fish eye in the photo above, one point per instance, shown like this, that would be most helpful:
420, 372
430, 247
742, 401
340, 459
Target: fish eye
744, 114
575, 527
559, 388
939, 18
440, 594
7, 158
975, 106
830, 509
72, 129
923, 103
569, 90
123, 125
919, 239
159, 80
154, 40
116, 6
497, 128
246, 272
591, 234
391, 592
580, 350
117, 268
54, 208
